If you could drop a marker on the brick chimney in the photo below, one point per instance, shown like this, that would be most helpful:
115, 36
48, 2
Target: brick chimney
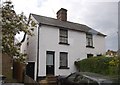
62, 14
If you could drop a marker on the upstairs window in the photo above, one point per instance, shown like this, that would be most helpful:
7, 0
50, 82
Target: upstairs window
63, 36
89, 40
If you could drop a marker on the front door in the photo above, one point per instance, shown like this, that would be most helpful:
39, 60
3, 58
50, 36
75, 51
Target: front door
49, 63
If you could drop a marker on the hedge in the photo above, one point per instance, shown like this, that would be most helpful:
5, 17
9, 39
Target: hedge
102, 65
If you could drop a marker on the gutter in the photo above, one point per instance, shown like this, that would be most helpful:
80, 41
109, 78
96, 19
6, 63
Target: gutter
38, 51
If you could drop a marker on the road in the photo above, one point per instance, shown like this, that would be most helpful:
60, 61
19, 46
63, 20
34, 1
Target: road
13, 84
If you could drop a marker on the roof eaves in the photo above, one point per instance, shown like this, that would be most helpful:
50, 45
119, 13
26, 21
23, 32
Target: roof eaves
64, 27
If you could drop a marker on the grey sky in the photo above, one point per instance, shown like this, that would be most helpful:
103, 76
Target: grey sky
101, 16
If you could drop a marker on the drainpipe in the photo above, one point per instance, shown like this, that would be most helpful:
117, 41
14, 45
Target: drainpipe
38, 51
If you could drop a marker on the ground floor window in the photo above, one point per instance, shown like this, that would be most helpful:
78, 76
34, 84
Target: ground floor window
89, 55
63, 60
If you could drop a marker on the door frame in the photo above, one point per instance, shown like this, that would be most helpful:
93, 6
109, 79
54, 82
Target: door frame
53, 53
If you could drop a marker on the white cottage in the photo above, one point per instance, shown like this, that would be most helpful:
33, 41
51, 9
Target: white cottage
58, 43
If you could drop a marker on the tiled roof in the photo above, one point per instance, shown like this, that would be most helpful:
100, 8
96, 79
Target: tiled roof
65, 24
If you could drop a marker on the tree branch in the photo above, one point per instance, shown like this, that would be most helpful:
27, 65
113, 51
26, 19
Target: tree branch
19, 44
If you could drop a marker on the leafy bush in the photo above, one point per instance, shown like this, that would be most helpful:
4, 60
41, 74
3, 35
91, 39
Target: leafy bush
102, 65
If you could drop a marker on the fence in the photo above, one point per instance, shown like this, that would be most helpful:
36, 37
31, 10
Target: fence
20, 76
6, 64
18, 71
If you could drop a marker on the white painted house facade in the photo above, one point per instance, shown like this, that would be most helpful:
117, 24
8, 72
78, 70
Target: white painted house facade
58, 43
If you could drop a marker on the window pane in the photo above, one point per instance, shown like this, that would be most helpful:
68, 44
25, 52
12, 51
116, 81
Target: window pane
63, 59
63, 36
49, 59
89, 40
89, 35
89, 55
63, 39
63, 33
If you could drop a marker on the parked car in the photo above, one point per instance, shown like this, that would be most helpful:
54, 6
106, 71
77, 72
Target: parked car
84, 78
2, 78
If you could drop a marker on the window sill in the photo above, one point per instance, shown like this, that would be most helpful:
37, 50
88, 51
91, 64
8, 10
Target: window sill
63, 67
63, 43
90, 46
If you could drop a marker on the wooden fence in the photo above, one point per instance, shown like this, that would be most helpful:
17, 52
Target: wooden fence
18, 71
20, 76
6, 67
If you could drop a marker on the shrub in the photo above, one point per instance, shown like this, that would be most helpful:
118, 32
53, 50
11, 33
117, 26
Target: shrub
102, 65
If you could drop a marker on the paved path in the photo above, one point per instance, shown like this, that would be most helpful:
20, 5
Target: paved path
13, 84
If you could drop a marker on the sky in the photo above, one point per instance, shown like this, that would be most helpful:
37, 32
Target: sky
101, 15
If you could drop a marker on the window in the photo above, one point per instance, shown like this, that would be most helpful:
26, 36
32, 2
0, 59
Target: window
63, 36
89, 55
99, 54
89, 40
63, 60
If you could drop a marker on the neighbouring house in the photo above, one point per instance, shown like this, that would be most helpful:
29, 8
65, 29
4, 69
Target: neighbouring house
111, 53
58, 43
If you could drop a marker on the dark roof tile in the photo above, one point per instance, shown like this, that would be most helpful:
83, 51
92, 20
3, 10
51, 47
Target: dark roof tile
65, 24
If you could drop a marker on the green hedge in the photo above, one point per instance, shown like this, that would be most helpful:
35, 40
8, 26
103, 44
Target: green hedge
102, 65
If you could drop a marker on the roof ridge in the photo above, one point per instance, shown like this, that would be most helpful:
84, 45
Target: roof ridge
59, 20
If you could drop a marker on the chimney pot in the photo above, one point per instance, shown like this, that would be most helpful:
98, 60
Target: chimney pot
62, 14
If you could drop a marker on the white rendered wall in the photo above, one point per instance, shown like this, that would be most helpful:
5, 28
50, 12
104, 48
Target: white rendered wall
32, 40
49, 41
24, 46
32, 46
32, 49
98, 44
